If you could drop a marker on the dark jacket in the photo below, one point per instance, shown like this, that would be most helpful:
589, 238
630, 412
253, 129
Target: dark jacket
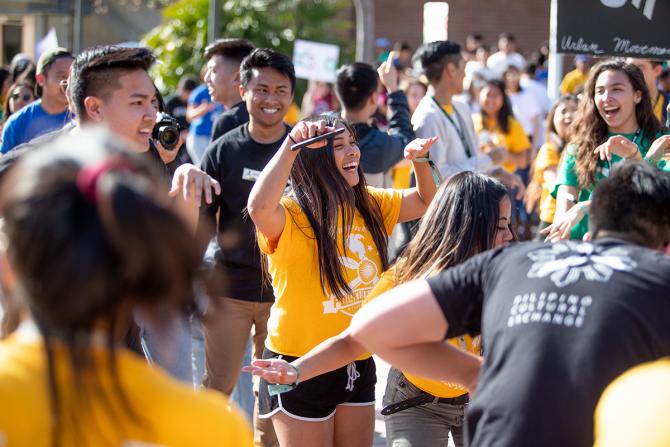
380, 151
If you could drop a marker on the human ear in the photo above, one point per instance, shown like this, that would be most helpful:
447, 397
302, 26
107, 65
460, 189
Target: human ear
40, 79
637, 96
93, 109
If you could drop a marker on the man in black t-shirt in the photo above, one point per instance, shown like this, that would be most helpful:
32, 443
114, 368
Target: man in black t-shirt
558, 322
243, 297
223, 82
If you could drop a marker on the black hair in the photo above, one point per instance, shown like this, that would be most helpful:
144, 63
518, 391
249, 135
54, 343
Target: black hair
187, 83
461, 222
434, 56
665, 73
355, 84
509, 36
505, 112
4, 75
401, 46
96, 72
85, 254
633, 202
266, 58
234, 49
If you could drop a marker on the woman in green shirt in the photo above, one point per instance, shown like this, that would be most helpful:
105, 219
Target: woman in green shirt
615, 123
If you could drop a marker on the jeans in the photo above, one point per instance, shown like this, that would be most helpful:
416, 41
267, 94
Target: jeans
427, 425
168, 343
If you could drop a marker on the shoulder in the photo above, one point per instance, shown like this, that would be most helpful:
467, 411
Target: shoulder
425, 111
26, 113
462, 109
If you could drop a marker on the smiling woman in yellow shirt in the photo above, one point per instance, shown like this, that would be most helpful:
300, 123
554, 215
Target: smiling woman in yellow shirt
470, 214
326, 246
86, 227
497, 127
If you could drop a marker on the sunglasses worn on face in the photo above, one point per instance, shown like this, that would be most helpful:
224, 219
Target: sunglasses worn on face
25, 97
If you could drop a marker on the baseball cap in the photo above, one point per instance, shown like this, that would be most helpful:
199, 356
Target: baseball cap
46, 59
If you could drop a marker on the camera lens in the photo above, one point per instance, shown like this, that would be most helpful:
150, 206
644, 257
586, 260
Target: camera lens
169, 136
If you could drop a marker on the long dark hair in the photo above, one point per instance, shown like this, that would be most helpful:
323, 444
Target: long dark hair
461, 221
590, 129
505, 112
87, 249
329, 202
550, 128
6, 111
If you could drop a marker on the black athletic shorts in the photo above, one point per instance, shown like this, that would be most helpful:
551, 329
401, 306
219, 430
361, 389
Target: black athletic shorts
316, 399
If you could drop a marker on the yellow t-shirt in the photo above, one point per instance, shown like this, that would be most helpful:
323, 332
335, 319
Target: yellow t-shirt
402, 175
292, 115
547, 157
169, 413
515, 140
466, 343
303, 315
659, 106
634, 409
572, 81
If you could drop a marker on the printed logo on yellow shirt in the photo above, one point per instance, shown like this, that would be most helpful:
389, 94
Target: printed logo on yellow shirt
364, 274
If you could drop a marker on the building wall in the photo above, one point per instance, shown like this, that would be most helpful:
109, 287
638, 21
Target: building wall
528, 20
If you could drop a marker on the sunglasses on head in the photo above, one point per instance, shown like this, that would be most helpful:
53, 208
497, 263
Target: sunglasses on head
25, 96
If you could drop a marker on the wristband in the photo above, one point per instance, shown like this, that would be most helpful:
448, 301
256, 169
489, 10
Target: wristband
274, 389
291, 138
422, 160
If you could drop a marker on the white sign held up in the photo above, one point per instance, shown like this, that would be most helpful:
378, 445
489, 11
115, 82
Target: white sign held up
315, 61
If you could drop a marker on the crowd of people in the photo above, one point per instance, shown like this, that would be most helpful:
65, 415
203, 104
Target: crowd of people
144, 265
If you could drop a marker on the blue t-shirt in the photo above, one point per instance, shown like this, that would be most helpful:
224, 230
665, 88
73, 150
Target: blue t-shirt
203, 125
30, 122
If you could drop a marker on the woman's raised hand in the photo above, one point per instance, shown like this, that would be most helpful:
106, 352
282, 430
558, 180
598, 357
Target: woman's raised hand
275, 371
305, 130
617, 145
659, 148
419, 147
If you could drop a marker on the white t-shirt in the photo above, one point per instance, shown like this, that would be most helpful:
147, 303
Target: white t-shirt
525, 109
499, 62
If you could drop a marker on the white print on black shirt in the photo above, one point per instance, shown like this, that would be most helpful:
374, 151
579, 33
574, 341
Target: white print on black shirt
565, 262
549, 308
365, 277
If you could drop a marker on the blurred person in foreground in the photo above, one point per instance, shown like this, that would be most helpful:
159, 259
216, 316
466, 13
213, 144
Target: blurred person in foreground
64, 377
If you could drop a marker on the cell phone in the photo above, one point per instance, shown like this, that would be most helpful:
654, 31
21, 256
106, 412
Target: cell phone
317, 138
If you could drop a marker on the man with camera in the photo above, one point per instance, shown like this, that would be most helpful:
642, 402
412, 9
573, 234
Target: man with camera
110, 86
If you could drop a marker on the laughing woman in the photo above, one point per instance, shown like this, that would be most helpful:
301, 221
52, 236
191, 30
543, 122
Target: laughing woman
326, 246
615, 123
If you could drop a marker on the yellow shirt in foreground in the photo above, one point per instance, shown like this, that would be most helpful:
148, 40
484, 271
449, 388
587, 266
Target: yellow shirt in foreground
515, 140
169, 413
466, 343
634, 409
548, 157
572, 81
303, 315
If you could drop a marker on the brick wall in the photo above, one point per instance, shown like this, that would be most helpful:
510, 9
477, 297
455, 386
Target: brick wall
528, 20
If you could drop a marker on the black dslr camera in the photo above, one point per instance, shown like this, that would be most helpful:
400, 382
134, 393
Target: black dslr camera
166, 131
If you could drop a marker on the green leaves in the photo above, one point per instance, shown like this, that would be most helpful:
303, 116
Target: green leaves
179, 42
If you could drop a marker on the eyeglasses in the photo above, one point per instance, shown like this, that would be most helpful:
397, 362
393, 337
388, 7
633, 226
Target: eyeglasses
25, 97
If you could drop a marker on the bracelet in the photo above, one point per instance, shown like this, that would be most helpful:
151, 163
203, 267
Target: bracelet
422, 160
274, 389
291, 138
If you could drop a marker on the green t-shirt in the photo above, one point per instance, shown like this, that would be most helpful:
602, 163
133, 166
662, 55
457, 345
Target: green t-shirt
567, 174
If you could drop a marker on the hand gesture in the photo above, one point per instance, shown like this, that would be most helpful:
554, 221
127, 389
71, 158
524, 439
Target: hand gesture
659, 148
560, 228
305, 130
618, 145
192, 182
498, 155
169, 156
419, 147
388, 73
276, 371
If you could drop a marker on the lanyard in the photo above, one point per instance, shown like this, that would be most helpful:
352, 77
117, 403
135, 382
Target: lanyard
460, 130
